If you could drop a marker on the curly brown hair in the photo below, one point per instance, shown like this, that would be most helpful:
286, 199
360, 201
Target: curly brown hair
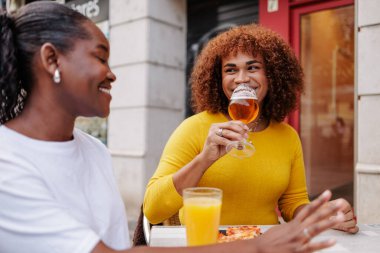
283, 71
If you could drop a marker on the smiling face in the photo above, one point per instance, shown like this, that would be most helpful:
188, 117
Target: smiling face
86, 76
244, 68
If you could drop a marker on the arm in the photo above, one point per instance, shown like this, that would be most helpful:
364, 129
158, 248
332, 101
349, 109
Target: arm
298, 210
214, 148
191, 173
162, 199
295, 196
286, 238
349, 223
190, 151
217, 248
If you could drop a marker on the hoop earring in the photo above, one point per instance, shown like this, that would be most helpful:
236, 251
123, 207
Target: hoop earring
56, 76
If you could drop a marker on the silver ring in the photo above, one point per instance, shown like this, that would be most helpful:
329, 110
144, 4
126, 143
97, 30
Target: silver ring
220, 132
306, 233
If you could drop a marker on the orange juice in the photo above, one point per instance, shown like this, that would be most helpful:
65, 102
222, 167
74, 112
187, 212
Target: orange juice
202, 217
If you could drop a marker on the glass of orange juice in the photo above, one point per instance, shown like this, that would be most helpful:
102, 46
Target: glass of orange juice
202, 214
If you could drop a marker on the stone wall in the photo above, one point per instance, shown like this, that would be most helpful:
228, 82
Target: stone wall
368, 116
148, 53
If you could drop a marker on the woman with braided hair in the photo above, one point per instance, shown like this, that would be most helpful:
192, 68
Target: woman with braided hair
57, 190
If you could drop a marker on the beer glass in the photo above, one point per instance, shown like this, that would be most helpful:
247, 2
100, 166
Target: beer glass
202, 214
243, 106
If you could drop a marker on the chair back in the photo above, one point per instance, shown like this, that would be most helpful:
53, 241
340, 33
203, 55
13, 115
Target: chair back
141, 235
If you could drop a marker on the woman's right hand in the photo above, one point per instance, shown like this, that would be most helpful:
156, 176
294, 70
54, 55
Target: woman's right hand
219, 136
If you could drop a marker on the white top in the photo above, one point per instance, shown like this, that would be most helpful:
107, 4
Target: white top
58, 196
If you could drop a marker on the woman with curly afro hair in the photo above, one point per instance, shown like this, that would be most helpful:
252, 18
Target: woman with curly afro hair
195, 154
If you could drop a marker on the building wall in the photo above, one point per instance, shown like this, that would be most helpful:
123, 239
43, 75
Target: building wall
148, 52
367, 169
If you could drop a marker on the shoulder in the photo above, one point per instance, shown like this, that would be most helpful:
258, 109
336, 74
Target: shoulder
196, 126
201, 122
91, 146
13, 147
17, 159
283, 128
84, 138
205, 118
9, 137
93, 149
284, 131
5, 139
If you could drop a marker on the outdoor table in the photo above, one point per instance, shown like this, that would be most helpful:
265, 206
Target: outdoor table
367, 240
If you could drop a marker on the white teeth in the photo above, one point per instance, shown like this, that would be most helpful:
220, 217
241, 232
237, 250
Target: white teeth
108, 91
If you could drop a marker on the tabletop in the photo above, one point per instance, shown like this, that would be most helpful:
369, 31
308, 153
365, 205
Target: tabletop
367, 240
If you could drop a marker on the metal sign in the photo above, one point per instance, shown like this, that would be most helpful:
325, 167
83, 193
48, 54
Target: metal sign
96, 10
272, 5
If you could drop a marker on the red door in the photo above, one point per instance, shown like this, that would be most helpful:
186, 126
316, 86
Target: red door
322, 36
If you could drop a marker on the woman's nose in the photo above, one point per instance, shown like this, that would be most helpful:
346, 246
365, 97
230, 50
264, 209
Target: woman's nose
242, 77
111, 76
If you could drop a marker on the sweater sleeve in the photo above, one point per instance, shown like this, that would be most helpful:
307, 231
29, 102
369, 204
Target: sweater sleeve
296, 193
161, 200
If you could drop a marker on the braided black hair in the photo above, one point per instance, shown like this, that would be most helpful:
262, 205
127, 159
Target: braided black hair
21, 36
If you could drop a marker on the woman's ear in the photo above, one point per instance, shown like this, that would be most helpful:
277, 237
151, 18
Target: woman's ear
49, 58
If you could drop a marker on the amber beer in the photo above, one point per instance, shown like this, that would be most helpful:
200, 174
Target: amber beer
245, 110
243, 106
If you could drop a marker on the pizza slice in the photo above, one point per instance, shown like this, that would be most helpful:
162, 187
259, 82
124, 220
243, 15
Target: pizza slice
239, 233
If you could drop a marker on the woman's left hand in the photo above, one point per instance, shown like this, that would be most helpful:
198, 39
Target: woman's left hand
349, 224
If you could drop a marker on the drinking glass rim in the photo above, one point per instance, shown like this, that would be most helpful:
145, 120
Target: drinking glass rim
202, 190
244, 97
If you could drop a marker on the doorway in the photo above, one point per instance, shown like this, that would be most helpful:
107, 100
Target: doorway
322, 35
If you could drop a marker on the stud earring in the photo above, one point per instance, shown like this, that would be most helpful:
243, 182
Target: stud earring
57, 76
